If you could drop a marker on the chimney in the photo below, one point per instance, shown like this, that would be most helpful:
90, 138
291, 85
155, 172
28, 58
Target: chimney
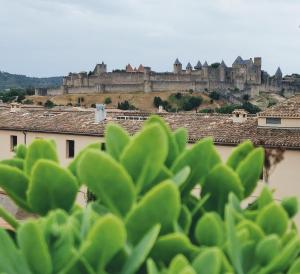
100, 113
239, 116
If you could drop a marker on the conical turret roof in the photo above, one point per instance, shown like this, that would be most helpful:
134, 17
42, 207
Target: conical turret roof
177, 62
238, 61
189, 66
278, 72
205, 65
198, 66
223, 64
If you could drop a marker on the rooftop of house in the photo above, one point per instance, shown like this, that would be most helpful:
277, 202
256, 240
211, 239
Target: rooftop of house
220, 127
287, 109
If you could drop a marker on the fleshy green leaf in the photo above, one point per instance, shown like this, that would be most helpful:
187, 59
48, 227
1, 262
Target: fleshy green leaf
116, 139
201, 158
286, 256
233, 243
151, 267
141, 251
51, 187
108, 180
39, 149
11, 259
210, 230
181, 177
273, 219
291, 206
15, 184
185, 219
181, 137
219, 183
161, 205
73, 165
167, 246
178, 264
250, 170
255, 233
34, 248
172, 146
15, 162
295, 268
152, 143
104, 240
267, 249
265, 197
239, 153
209, 261
21, 151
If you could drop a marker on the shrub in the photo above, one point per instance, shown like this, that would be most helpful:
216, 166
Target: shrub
28, 102
227, 109
49, 104
145, 218
253, 109
107, 100
125, 105
214, 95
157, 101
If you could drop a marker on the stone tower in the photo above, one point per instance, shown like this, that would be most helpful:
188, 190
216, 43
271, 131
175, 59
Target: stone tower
100, 68
189, 68
222, 70
278, 76
205, 70
257, 65
177, 67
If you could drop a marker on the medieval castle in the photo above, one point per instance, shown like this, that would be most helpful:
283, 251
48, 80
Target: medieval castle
243, 75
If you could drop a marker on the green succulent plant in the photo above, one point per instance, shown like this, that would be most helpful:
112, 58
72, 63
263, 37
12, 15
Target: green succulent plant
146, 217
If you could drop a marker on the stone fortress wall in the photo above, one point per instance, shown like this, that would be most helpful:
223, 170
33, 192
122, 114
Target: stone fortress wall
243, 75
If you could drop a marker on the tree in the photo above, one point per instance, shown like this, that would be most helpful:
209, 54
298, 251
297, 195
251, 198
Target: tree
107, 100
191, 103
125, 105
157, 101
214, 95
49, 104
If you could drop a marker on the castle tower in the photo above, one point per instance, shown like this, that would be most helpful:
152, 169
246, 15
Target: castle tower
222, 70
198, 66
147, 82
257, 64
100, 68
177, 67
189, 68
278, 76
205, 70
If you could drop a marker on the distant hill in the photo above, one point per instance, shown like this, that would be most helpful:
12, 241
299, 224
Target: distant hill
8, 80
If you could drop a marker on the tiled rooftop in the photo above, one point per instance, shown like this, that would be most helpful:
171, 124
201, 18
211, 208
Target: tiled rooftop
220, 127
287, 109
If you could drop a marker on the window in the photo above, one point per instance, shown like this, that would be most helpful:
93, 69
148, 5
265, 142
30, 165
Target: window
273, 121
70, 148
13, 142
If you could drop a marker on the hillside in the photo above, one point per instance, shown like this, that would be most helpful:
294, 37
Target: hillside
8, 80
142, 101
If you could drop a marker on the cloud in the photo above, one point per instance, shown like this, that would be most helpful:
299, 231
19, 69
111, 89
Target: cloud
53, 37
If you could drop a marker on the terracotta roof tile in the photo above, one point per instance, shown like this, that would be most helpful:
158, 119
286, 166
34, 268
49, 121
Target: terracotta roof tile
220, 127
287, 109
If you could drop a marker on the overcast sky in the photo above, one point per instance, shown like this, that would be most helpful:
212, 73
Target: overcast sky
54, 37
